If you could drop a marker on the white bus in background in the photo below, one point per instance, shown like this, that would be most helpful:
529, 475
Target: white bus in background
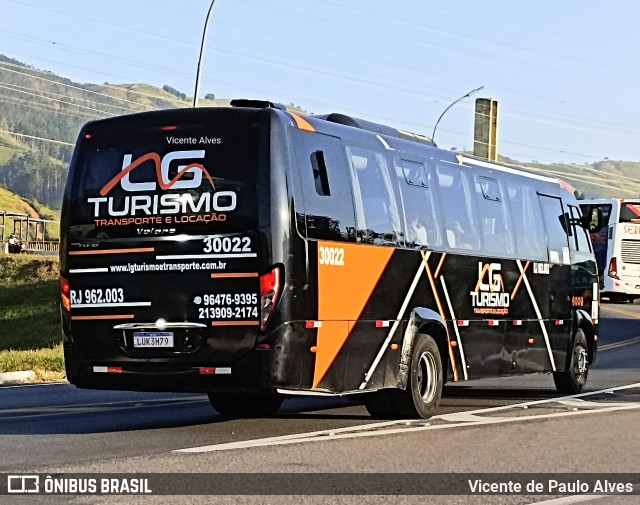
615, 235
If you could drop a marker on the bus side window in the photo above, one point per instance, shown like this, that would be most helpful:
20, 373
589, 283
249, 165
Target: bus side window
455, 204
377, 217
497, 236
327, 200
556, 227
320, 177
526, 217
418, 204
581, 241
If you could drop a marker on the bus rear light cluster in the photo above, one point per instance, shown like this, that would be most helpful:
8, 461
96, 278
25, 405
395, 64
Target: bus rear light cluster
224, 370
270, 288
64, 294
613, 269
107, 369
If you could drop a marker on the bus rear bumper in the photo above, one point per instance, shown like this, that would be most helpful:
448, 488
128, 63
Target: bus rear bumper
281, 359
622, 287
248, 374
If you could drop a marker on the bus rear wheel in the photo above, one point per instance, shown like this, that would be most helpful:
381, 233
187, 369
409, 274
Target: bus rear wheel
380, 404
424, 386
573, 380
246, 404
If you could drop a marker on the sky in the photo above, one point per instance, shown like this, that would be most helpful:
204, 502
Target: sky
565, 73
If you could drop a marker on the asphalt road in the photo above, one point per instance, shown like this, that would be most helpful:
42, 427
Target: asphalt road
504, 426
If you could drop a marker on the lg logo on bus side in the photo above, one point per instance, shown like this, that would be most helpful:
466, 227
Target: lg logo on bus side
489, 296
494, 277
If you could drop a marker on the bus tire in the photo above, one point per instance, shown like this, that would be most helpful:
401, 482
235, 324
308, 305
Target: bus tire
245, 404
379, 404
424, 385
573, 380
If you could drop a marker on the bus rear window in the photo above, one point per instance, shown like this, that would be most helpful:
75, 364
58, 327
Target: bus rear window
150, 181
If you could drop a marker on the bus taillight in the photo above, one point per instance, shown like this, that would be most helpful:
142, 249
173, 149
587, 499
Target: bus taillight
270, 286
64, 293
613, 269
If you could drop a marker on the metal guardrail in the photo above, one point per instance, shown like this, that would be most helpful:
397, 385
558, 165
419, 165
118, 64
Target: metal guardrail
46, 246
27, 230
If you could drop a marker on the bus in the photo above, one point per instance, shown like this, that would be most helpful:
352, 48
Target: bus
252, 253
615, 225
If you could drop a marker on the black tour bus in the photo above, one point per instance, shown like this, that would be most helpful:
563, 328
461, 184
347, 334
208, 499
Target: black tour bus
250, 253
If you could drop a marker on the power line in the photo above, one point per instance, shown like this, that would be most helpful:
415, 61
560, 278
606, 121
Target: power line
2, 64
43, 107
37, 138
59, 101
42, 93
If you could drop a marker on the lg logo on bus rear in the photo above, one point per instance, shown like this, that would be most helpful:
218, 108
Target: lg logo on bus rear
170, 203
194, 169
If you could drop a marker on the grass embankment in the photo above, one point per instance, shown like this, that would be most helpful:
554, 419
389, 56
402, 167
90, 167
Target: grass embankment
30, 336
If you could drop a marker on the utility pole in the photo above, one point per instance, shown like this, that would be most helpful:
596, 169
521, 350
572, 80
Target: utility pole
202, 44
485, 135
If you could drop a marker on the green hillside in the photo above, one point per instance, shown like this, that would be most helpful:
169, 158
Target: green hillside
40, 104
12, 203
30, 320
604, 179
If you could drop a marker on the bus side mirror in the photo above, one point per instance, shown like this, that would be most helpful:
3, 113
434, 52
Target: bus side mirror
585, 222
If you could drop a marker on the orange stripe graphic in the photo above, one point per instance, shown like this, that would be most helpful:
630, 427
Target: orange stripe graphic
344, 288
440, 309
302, 123
113, 251
515, 290
440, 264
234, 276
92, 318
235, 323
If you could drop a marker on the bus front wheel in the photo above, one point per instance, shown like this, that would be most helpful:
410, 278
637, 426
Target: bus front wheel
245, 404
573, 380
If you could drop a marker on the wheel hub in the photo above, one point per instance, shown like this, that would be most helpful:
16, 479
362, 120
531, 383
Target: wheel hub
427, 380
581, 361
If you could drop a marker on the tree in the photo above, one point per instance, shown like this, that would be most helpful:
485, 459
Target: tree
209, 96
172, 90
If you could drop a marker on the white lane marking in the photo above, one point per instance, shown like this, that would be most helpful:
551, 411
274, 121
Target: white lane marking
567, 500
385, 344
558, 399
331, 435
58, 410
403, 427
615, 345
65, 383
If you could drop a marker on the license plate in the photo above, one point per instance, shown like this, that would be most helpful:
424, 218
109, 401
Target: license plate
153, 339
